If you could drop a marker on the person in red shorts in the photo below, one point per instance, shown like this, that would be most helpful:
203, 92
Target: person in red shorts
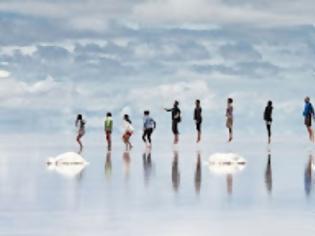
128, 131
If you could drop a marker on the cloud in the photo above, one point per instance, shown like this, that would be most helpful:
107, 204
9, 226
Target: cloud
4, 74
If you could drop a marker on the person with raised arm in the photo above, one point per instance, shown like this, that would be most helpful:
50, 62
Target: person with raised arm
176, 119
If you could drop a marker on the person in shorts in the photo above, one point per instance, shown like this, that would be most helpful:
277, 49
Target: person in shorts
128, 131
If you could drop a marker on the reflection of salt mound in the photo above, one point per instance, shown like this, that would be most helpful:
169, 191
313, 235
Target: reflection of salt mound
226, 163
69, 164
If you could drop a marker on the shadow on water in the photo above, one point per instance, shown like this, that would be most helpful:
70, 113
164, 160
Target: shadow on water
268, 175
147, 166
175, 172
308, 176
198, 174
108, 165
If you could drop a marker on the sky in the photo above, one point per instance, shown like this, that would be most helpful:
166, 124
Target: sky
64, 57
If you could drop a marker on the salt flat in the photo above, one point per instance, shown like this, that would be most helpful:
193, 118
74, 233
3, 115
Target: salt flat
169, 192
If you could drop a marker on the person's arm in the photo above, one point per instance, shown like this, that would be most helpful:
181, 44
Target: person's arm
168, 110
195, 115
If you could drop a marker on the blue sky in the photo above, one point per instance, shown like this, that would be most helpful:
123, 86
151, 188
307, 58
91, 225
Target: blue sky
58, 58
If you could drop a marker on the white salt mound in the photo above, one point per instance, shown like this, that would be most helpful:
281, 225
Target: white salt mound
226, 163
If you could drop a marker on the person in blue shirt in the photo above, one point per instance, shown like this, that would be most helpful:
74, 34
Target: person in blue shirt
148, 126
308, 114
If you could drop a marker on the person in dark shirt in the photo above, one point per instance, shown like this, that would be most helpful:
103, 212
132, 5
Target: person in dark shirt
198, 119
176, 119
268, 119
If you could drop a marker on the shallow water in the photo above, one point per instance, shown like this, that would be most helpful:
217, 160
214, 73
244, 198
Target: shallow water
170, 192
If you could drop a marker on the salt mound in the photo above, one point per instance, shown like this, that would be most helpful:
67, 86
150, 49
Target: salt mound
226, 163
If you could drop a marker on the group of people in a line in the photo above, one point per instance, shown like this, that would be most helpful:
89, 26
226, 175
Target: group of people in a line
149, 123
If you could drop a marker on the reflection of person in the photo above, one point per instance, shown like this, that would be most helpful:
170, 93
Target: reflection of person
148, 127
108, 126
128, 131
127, 160
80, 124
175, 172
198, 119
229, 183
147, 166
308, 114
268, 119
198, 174
268, 175
176, 119
229, 118
108, 164
308, 179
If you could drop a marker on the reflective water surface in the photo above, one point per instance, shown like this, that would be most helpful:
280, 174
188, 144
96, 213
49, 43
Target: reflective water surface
158, 191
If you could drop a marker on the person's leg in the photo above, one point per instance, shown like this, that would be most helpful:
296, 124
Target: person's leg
230, 134
310, 133
128, 141
269, 132
198, 132
144, 135
149, 135
109, 141
174, 130
176, 133
79, 142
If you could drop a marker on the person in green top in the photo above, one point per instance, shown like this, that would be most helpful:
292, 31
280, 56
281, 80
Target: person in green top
108, 127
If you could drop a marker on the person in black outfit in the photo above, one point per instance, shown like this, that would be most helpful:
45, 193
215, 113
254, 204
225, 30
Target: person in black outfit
268, 119
198, 119
175, 120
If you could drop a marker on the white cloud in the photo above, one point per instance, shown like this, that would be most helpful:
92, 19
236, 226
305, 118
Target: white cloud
4, 74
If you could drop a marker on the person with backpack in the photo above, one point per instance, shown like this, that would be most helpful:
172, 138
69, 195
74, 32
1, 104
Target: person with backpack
128, 131
308, 114
198, 119
148, 126
176, 119
268, 119
80, 124
108, 127
229, 118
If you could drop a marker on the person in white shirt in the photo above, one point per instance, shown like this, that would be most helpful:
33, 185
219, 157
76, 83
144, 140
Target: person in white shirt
128, 131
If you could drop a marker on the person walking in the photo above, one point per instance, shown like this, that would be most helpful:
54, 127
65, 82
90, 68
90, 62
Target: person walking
128, 131
148, 126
